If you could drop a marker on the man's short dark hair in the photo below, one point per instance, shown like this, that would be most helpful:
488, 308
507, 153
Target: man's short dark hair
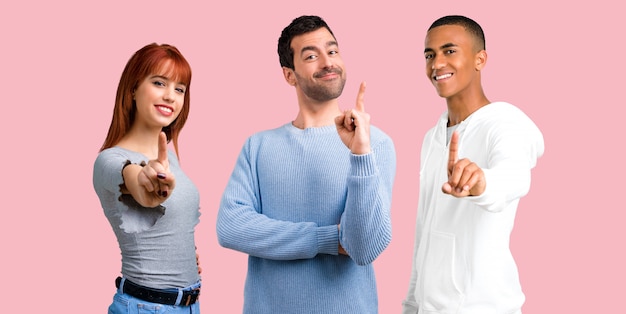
300, 25
470, 26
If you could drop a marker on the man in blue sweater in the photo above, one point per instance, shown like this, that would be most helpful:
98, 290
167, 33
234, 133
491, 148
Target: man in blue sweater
309, 201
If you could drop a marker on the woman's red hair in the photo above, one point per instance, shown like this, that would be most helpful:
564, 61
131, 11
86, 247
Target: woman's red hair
149, 60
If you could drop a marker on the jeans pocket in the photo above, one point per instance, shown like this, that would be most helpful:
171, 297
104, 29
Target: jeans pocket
120, 305
152, 308
126, 304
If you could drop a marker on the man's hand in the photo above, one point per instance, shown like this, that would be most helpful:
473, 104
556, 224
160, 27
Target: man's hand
465, 178
341, 251
353, 126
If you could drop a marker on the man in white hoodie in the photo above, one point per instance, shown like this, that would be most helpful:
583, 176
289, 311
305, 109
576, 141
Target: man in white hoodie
475, 166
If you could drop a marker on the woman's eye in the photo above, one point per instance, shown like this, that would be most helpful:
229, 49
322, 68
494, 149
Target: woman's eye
180, 90
158, 83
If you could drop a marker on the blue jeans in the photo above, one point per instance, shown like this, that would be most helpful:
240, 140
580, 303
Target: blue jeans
126, 304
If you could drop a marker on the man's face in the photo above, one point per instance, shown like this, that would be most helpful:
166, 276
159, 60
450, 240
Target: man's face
452, 60
319, 70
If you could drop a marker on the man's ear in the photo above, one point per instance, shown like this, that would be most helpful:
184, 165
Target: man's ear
481, 60
290, 76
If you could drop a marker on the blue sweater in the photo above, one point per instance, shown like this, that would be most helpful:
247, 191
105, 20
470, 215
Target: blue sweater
288, 193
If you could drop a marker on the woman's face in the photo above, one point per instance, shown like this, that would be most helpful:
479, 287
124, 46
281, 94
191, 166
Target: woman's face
159, 100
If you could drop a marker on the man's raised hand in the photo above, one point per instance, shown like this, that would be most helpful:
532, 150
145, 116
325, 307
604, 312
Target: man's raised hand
353, 126
465, 178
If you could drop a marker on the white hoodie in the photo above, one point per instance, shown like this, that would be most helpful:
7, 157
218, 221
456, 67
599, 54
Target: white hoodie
462, 263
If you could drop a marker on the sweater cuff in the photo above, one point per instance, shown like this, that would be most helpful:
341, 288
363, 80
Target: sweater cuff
328, 239
363, 165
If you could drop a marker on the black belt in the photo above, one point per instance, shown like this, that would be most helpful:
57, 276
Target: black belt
157, 296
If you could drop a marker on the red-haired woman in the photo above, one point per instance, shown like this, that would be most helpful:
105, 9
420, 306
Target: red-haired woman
153, 207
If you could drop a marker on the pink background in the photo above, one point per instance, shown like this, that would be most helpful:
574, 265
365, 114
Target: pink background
61, 61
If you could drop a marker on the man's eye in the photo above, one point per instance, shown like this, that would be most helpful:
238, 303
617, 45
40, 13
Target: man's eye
449, 51
428, 56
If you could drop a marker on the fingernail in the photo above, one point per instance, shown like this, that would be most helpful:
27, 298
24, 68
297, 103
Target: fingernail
161, 175
164, 193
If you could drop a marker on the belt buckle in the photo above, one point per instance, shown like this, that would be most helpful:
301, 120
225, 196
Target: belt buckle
188, 301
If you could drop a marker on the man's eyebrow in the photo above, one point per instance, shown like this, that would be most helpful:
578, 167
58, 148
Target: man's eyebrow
313, 48
448, 45
444, 46
308, 48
